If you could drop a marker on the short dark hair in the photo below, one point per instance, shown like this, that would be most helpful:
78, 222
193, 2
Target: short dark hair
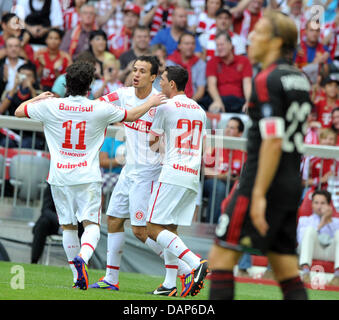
79, 77
179, 75
99, 32
140, 28
324, 193
28, 66
223, 10
86, 56
56, 30
153, 60
186, 33
225, 34
7, 16
241, 125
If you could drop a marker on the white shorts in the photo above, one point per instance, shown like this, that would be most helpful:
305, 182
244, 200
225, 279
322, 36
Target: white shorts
171, 204
129, 200
78, 203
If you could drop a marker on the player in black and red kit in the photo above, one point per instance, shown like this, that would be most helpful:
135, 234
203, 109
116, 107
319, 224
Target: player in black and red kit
261, 217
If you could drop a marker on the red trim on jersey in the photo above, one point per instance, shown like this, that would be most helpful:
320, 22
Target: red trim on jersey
70, 262
113, 267
183, 253
152, 187
171, 241
237, 219
102, 99
169, 266
26, 112
261, 84
155, 202
88, 244
112, 97
125, 115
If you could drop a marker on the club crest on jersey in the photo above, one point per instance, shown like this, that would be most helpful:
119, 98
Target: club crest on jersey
139, 215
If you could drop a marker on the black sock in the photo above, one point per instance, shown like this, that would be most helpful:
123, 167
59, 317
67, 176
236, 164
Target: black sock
293, 289
222, 285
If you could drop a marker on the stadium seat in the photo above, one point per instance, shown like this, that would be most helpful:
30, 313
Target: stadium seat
52, 240
27, 174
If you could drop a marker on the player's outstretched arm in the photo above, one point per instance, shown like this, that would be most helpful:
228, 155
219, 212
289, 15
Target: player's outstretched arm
20, 111
137, 112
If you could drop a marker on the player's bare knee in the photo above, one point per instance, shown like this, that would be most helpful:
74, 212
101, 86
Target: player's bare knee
69, 227
115, 224
222, 258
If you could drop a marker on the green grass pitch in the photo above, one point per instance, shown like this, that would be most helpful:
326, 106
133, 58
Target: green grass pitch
39, 282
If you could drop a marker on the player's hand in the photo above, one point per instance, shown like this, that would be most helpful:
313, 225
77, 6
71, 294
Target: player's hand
157, 99
257, 214
326, 216
44, 95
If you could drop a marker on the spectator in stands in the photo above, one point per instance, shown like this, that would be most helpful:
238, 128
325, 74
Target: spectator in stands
184, 56
51, 61
109, 82
318, 170
318, 236
169, 37
326, 103
72, 14
121, 41
206, 19
77, 40
49, 10
245, 21
219, 163
157, 15
110, 15
228, 78
223, 22
59, 86
294, 8
140, 46
98, 47
12, 26
36, 30
25, 87
10, 64
312, 56
159, 50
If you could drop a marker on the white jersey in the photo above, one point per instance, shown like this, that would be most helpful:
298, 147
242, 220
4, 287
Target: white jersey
141, 161
183, 123
75, 129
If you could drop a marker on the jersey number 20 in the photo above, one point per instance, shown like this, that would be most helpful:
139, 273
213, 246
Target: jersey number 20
185, 140
81, 126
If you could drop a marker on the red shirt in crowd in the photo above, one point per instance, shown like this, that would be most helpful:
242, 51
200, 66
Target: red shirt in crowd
230, 77
323, 111
219, 159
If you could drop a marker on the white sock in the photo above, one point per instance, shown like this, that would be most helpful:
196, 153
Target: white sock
115, 244
71, 244
183, 267
171, 265
89, 241
174, 244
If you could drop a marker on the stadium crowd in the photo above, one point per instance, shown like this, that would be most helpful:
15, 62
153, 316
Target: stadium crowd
209, 38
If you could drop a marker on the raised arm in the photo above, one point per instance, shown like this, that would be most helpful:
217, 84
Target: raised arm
137, 112
20, 111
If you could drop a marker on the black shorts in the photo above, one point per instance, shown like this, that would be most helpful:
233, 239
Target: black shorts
236, 231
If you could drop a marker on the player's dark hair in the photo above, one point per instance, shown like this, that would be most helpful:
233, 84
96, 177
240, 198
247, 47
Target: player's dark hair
153, 60
179, 75
241, 126
324, 193
79, 77
7, 16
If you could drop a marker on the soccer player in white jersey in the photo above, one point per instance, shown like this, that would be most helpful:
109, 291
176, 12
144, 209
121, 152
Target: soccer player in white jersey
181, 123
75, 128
130, 196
